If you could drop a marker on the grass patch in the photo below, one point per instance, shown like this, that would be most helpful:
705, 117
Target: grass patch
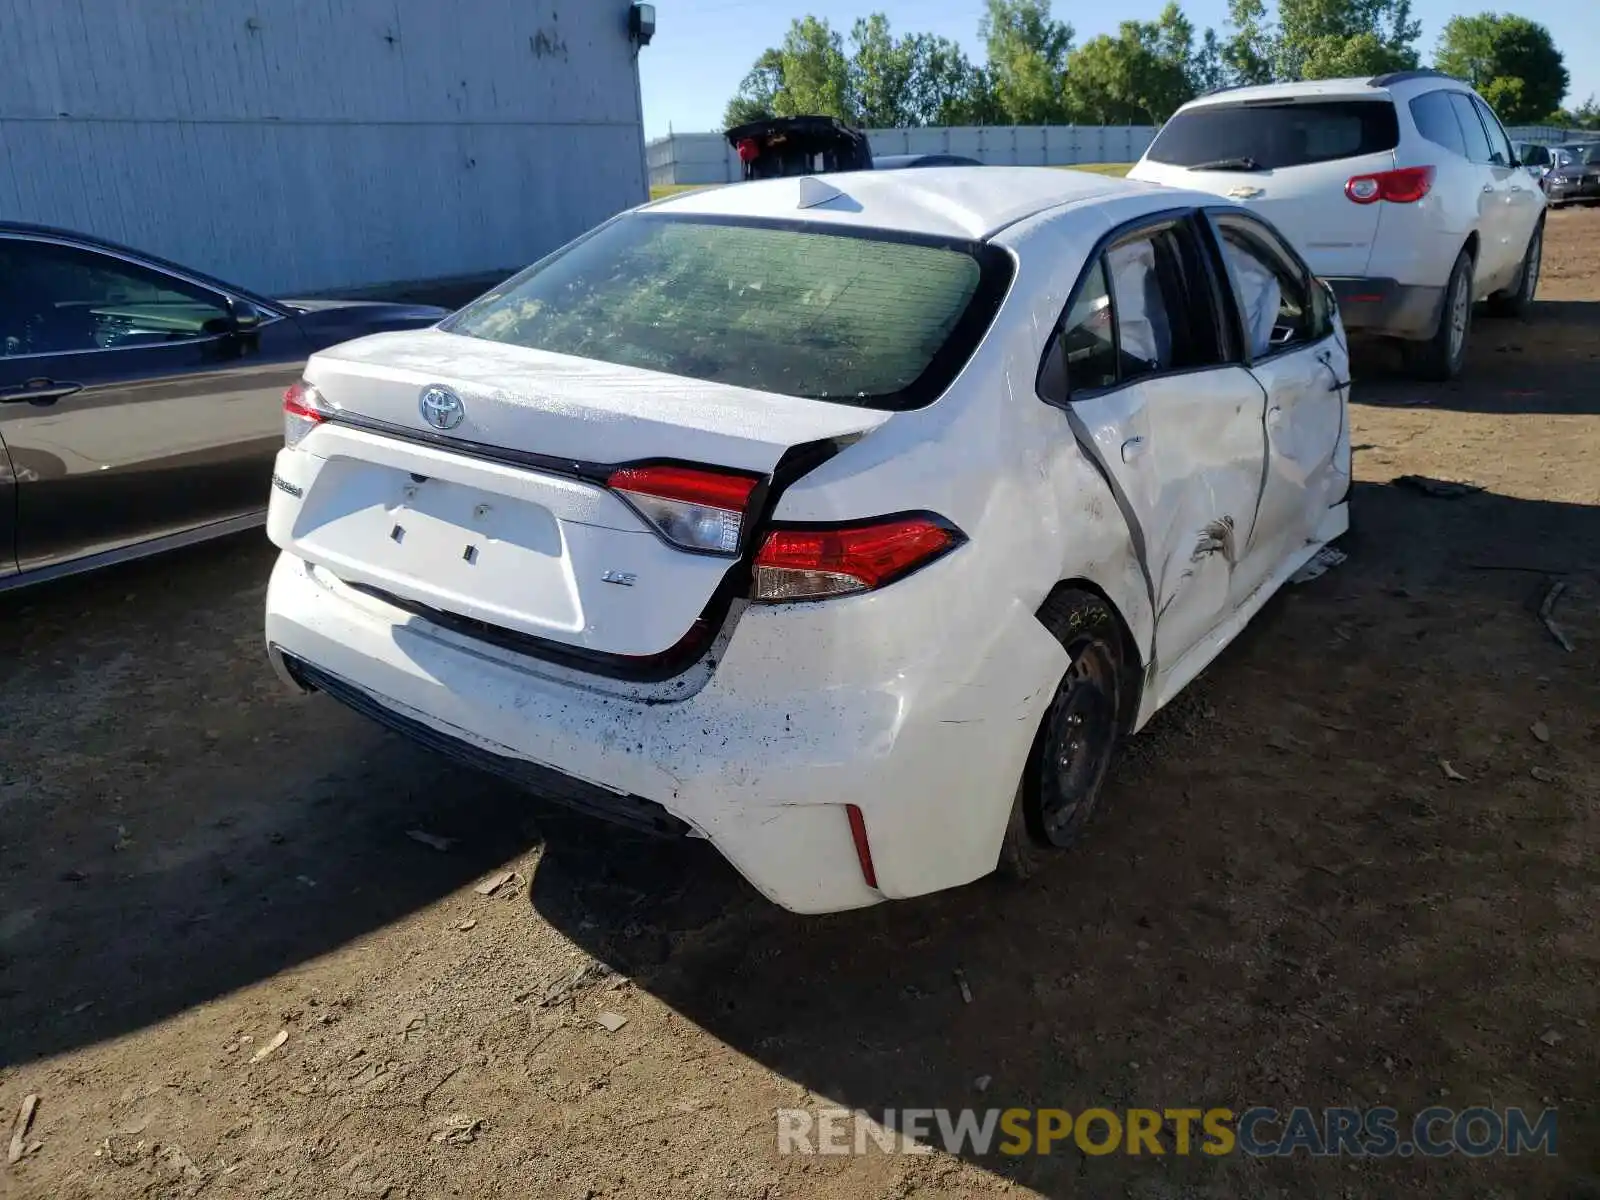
659, 191
1117, 169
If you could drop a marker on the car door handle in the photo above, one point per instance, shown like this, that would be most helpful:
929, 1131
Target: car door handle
40, 391
1133, 448
1488, 187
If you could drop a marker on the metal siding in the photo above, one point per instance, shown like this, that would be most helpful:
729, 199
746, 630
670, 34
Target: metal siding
315, 144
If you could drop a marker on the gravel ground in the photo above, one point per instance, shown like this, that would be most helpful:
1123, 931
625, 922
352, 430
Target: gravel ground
1289, 900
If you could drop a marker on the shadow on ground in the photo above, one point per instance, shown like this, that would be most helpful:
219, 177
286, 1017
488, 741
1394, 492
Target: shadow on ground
1287, 903
1547, 363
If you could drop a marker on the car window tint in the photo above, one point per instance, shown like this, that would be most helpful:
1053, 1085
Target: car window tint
56, 299
1274, 295
868, 320
1086, 346
1499, 144
1471, 127
1436, 121
1277, 135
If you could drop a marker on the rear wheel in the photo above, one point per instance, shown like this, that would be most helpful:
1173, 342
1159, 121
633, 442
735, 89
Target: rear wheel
1059, 792
1517, 299
1440, 358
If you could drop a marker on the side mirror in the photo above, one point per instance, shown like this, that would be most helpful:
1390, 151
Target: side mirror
246, 317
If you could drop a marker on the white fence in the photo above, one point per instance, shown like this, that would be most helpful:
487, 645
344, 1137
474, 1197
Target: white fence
699, 158
1546, 135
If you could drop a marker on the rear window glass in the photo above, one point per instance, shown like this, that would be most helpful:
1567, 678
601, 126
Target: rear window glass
881, 321
1268, 136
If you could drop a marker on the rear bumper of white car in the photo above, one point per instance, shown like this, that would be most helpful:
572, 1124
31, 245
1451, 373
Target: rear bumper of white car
1388, 307
812, 709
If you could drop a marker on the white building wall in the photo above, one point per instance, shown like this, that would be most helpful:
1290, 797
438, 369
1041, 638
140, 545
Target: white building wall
300, 144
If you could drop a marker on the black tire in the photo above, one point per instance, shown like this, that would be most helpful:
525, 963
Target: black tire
1440, 358
1059, 792
1517, 299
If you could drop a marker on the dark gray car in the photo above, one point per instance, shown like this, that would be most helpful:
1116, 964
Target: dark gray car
1574, 175
141, 402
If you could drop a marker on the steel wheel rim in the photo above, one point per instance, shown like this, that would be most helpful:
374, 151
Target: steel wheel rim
1082, 726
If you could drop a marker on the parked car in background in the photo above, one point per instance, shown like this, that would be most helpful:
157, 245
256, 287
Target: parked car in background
1535, 159
1401, 190
140, 401
896, 162
783, 146
1575, 175
847, 523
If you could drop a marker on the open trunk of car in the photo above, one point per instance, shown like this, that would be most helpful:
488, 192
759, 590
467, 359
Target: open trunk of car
799, 146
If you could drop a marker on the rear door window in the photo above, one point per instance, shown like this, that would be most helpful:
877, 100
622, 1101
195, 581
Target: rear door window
1471, 128
1436, 121
1270, 136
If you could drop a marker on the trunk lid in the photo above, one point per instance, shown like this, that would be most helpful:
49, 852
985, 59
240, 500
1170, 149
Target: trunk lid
504, 517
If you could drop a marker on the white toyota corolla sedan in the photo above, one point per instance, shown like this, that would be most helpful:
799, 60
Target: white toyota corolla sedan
847, 522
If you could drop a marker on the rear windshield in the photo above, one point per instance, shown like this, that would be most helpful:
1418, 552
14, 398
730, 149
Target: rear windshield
878, 320
1267, 136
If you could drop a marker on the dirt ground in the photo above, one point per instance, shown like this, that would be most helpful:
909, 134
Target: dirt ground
1288, 902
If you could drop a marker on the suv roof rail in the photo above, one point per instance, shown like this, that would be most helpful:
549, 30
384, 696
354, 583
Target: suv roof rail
1407, 76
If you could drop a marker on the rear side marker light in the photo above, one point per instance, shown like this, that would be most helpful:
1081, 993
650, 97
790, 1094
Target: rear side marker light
813, 564
858, 834
303, 410
1404, 186
692, 508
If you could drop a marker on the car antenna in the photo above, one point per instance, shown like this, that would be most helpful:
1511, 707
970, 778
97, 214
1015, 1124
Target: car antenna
814, 191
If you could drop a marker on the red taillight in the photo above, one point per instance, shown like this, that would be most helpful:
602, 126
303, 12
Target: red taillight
303, 411
810, 564
692, 508
1404, 186
858, 835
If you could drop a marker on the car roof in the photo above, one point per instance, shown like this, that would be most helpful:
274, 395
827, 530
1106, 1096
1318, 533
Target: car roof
960, 202
1358, 86
25, 229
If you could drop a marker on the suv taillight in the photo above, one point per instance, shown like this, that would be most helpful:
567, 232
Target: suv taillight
303, 411
1406, 185
813, 564
692, 508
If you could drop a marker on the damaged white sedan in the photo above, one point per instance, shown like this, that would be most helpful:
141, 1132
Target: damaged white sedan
846, 522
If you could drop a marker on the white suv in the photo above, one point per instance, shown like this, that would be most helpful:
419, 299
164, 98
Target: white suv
1402, 191
845, 522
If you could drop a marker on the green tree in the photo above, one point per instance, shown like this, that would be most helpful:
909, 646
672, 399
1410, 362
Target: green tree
816, 73
1325, 39
757, 97
1139, 76
919, 79
1318, 39
1251, 49
1512, 61
1028, 51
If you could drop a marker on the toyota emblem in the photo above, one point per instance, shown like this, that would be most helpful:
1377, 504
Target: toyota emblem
441, 407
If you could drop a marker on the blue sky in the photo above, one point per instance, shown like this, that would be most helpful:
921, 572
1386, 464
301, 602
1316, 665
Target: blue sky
703, 48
